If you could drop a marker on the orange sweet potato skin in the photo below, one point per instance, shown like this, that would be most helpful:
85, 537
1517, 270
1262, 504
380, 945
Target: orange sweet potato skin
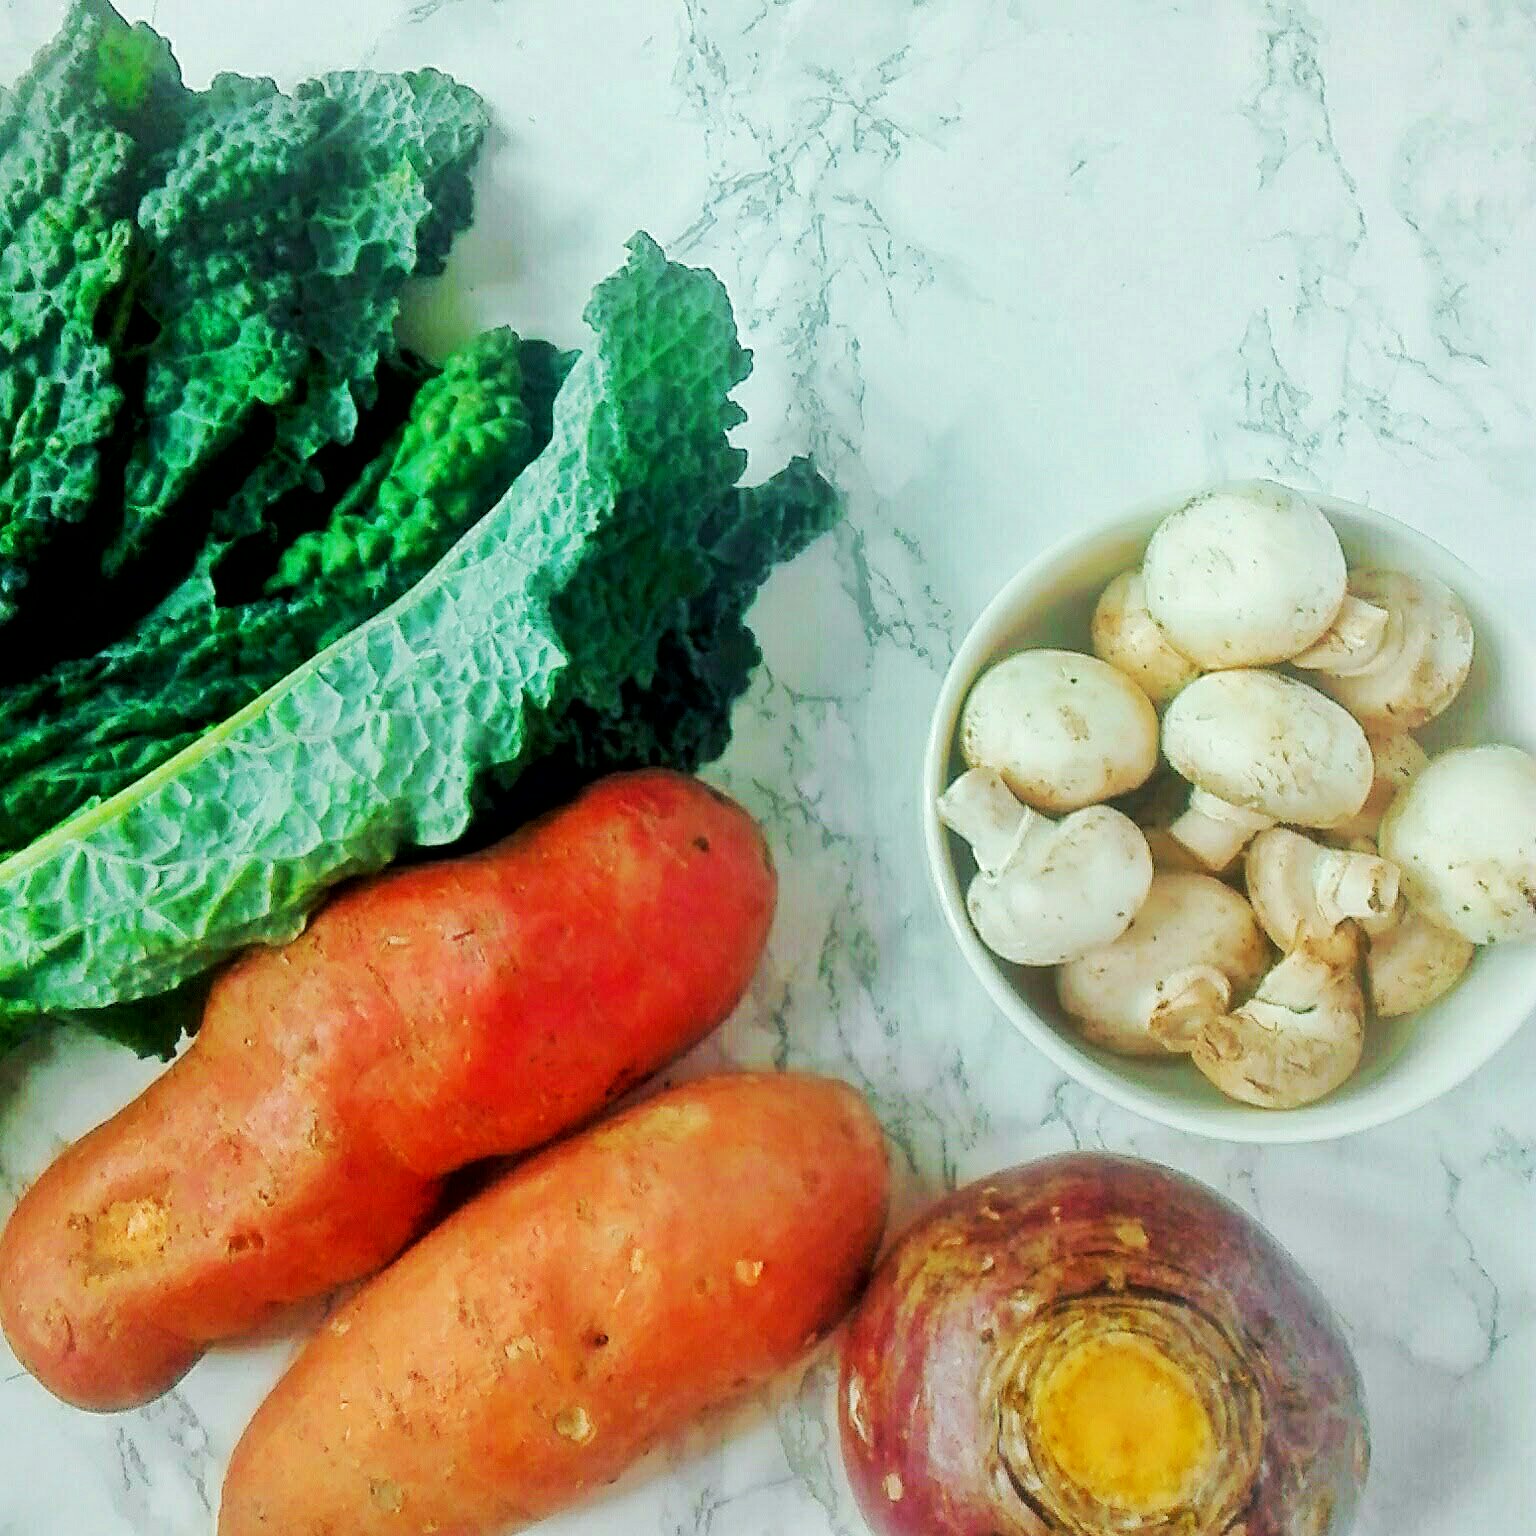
424, 1020
527, 1351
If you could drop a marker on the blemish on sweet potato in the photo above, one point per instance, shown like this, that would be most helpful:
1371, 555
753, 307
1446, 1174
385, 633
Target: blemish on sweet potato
125, 1234
386, 1495
661, 1122
575, 1425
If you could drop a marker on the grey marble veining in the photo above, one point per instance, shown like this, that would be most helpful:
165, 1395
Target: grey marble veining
1007, 267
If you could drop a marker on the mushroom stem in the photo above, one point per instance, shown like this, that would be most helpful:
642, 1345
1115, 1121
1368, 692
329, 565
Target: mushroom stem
1215, 830
1187, 1000
1300, 889
1347, 885
1416, 667
981, 808
1045, 891
1352, 642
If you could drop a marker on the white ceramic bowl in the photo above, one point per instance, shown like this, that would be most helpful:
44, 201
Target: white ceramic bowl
1408, 1061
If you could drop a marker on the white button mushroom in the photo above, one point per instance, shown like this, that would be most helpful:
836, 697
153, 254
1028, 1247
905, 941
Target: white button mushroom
1410, 961
1357, 633
1409, 671
1464, 835
1261, 748
1397, 760
1126, 636
1045, 891
1244, 576
1193, 945
1300, 889
1299, 1036
1064, 730
1301, 1033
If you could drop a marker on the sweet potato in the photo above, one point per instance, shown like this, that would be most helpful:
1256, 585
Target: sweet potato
424, 1020
600, 1296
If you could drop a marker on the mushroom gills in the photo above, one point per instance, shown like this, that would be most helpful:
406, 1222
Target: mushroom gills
1352, 643
1298, 1037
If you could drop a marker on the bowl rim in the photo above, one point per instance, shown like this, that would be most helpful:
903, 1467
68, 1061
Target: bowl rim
1325, 1120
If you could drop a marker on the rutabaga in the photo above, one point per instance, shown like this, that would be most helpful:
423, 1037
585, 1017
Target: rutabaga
1097, 1346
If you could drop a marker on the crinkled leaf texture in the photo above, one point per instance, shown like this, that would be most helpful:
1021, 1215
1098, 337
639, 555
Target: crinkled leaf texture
72, 168
85, 729
198, 297
609, 582
279, 243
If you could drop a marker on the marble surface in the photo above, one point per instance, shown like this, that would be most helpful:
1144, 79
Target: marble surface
1008, 266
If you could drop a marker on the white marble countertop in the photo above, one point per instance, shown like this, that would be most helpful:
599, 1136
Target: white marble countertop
1008, 266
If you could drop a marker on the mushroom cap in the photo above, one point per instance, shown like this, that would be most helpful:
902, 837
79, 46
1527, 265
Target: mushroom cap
1064, 730
1424, 659
1187, 920
1126, 636
1398, 759
1464, 835
1271, 745
1244, 576
1071, 886
1412, 963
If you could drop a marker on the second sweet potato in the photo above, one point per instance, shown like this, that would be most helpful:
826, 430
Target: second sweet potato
597, 1298
424, 1020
